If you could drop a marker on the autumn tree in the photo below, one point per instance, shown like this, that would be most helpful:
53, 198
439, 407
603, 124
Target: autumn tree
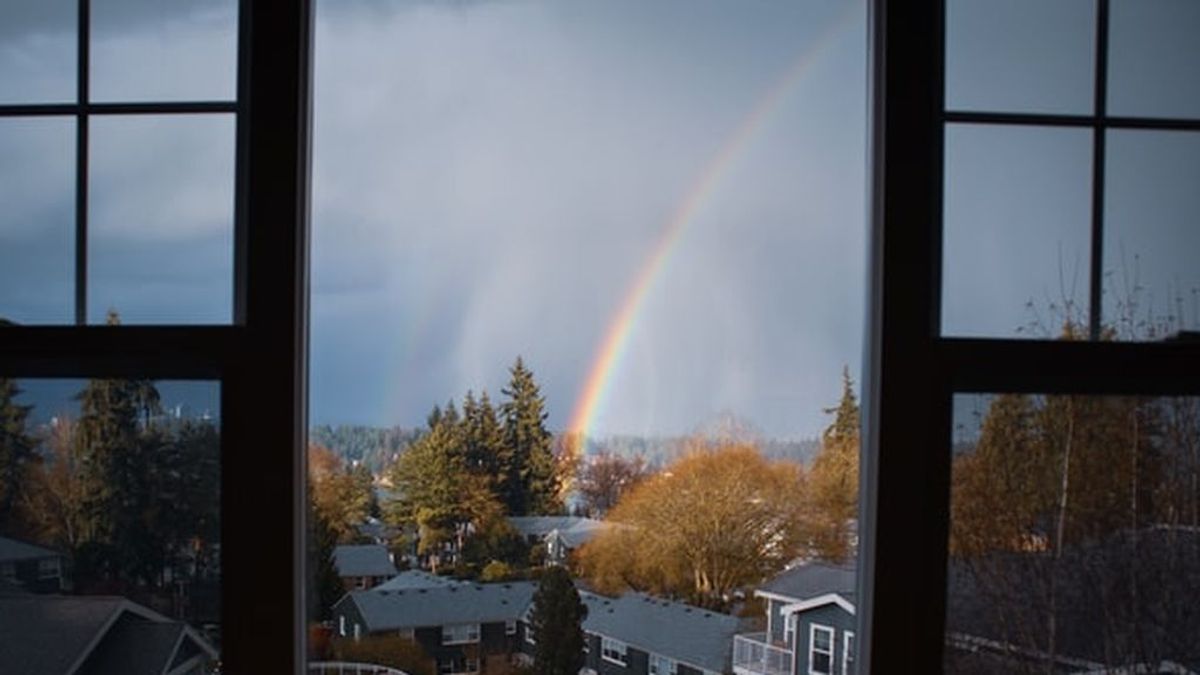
718, 519
556, 620
323, 584
529, 483
17, 454
342, 495
606, 477
833, 481
54, 504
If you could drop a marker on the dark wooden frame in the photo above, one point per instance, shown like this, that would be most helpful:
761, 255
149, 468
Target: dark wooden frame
260, 359
912, 372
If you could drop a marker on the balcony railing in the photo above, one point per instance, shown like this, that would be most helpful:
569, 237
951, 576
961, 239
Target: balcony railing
347, 668
753, 655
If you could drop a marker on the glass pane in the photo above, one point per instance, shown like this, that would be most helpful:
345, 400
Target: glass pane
161, 219
658, 207
1016, 248
1152, 232
1074, 535
1020, 55
37, 223
1153, 58
164, 51
110, 558
38, 48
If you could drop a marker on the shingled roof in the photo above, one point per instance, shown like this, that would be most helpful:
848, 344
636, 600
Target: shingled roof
440, 606
12, 550
363, 561
813, 579
691, 635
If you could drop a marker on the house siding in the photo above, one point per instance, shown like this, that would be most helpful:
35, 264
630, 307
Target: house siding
831, 616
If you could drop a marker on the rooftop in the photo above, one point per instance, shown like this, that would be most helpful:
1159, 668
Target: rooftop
813, 579
368, 560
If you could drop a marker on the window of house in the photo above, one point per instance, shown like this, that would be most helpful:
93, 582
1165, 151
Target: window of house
510, 626
661, 665
789, 629
8, 571
529, 636
614, 651
460, 633
342, 625
848, 654
48, 568
820, 650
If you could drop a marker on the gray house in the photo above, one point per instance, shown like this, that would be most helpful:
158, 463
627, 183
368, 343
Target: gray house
464, 628
810, 624
30, 567
363, 567
559, 534
638, 634
66, 635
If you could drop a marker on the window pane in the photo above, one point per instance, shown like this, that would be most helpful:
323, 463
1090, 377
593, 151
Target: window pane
161, 219
37, 223
111, 489
1074, 538
658, 207
1017, 231
1153, 58
38, 47
1020, 55
164, 51
1152, 233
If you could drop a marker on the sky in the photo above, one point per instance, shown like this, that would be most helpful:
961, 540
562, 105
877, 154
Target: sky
492, 178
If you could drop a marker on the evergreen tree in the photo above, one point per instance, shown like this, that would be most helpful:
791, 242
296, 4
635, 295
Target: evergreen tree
483, 441
834, 478
16, 454
529, 481
556, 620
324, 585
118, 463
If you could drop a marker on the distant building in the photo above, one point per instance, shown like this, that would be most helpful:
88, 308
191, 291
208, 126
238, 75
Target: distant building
464, 628
810, 624
414, 579
31, 567
61, 635
559, 534
637, 634
363, 567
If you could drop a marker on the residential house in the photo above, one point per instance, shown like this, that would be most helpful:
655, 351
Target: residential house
463, 627
31, 567
414, 579
559, 534
363, 566
70, 635
637, 634
810, 615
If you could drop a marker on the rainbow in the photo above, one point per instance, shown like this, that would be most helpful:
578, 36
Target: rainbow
616, 336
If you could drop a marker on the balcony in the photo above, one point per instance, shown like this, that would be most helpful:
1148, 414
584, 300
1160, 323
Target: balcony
754, 655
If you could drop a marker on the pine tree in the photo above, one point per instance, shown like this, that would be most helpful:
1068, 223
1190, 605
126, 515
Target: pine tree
834, 479
483, 442
118, 463
529, 481
16, 453
556, 620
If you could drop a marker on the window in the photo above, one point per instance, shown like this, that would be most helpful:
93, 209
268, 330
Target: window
8, 571
342, 625
820, 650
357, 631
406, 633
510, 626
661, 665
529, 637
82, 43
48, 568
848, 653
614, 651
928, 383
789, 630
460, 633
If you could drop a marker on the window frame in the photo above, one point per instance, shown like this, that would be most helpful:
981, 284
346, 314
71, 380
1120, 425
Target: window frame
848, 661
912, 372
813, 629
450, 630
617, 647
260, 358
